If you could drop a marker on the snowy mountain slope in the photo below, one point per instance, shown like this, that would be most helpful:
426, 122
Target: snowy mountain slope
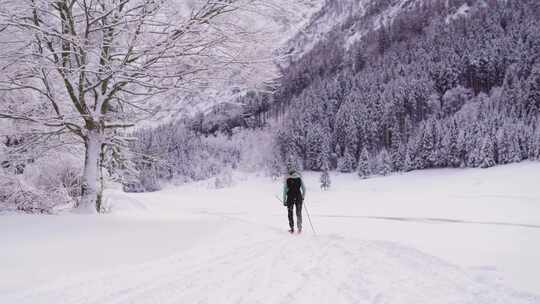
437, 236
315, 20
353, 17
311, 23
356, 18
330, 15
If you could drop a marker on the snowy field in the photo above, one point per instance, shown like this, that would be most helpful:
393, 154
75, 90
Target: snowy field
437, 236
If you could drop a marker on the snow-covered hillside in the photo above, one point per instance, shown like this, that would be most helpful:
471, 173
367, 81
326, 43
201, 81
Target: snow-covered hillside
362, 16
356, 18
435, 236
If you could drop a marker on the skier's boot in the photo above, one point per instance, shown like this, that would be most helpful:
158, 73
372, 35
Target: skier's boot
299, 230
291, 231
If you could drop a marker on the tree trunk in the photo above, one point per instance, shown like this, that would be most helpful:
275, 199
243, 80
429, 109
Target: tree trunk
100, 179
91, 188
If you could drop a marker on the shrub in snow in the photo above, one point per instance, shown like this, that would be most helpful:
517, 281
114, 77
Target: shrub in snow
18, 195
45, 184
50, 174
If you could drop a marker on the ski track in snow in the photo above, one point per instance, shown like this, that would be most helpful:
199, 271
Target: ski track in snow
265, 265
395, 218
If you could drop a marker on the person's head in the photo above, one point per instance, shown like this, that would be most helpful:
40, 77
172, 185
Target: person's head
291, 169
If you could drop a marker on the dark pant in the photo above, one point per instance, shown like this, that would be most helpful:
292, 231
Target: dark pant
298, 203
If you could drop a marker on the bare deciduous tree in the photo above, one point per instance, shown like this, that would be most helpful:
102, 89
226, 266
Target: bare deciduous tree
89, 68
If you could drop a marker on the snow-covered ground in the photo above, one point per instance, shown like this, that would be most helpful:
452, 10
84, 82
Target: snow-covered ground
437, 236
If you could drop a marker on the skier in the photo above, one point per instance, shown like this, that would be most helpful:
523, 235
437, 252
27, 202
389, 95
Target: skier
293, 195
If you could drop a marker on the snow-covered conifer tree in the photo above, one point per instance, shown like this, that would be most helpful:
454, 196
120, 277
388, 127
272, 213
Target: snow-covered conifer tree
412, 159
397, 151
514, 149
347, 162
315, 146
503, 156
426, 156
487, 153
535, 146
363, 169
325, 177
473, 145
384, 163
454, 157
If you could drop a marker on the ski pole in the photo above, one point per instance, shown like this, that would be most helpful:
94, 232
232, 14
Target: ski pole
309, 218
307, 212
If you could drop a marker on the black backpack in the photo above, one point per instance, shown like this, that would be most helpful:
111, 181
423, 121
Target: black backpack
293, 188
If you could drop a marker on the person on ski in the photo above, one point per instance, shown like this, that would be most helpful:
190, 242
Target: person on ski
294, 192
